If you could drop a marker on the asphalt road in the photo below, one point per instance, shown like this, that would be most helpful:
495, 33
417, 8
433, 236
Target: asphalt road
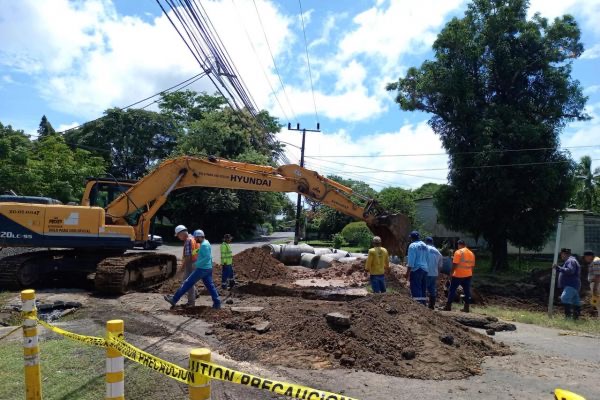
236, 247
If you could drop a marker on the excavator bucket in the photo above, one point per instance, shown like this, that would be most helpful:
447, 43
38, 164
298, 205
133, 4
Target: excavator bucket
393, 230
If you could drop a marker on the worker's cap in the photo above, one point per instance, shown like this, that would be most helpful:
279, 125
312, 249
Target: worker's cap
429, 240
198, 233
227, 237
460, 241
588, 253
565, 250
414, 235
179, 229
376, 239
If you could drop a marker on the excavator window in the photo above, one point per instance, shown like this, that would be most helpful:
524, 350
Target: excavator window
103, 193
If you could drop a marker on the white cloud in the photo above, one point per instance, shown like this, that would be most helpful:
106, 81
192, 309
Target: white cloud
86, 58
409, 139
7, 79
64, 127
591, 89
591, 53
585, 11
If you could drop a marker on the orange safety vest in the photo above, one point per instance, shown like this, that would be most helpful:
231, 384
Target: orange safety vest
465, 260
195, 249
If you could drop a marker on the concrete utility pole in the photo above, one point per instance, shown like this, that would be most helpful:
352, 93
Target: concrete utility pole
555, 262
299, 202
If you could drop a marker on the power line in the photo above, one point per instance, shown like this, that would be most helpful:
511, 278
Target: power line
312, 89
241, 21
185, 84
273, 58
445, 154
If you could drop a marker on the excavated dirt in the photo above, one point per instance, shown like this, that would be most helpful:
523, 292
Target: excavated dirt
388, 334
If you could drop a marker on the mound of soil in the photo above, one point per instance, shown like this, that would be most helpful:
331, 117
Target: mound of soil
388, 334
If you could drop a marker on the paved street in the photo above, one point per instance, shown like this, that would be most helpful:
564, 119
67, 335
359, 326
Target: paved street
236, 247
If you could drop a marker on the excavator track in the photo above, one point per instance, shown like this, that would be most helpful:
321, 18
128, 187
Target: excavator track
138, 271
113, 274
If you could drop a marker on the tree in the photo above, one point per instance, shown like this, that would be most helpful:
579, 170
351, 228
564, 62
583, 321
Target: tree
501, 82
398, 200
45, 129
588, 185
426, 190
131, 142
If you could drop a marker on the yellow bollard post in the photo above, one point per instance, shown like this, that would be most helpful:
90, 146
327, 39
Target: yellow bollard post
31, 350
115, 368
200, 389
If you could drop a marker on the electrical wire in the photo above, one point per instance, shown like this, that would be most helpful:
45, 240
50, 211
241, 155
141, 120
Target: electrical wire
274, 63
445, 154
241, 22
312, 89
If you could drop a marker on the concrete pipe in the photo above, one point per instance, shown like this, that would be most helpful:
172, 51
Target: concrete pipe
309, 260
347, 259
326, 259
321, 251
274, 249
291, 254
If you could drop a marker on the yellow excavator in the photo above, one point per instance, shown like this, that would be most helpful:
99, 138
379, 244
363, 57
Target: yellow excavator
91, 238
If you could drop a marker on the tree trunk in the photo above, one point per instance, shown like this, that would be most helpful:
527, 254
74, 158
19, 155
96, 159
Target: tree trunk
499, 247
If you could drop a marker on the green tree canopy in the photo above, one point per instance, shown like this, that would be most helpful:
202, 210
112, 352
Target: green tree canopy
500, 82
587, 194
45, 129
398, 200
426, 190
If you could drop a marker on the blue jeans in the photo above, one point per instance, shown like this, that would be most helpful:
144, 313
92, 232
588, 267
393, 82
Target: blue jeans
378, 283
199, 274
570, 295
418, 285
226, 276
466, 285
432, 286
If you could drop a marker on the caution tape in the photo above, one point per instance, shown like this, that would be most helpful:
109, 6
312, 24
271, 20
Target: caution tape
198, 368
10, 333
221, 373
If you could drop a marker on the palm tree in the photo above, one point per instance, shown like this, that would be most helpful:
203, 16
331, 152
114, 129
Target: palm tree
588, 185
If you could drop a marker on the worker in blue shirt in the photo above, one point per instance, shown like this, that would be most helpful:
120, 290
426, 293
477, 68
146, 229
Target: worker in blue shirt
203, 271
434, 266
416, 274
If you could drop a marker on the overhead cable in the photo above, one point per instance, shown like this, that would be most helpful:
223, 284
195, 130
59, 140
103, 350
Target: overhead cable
312, 89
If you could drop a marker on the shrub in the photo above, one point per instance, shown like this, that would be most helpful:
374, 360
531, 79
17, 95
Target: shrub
338, 240
357, 234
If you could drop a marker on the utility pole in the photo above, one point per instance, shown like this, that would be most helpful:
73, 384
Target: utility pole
555, 262
299, 202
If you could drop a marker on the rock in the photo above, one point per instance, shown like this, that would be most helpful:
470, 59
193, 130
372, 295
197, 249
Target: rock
229, 301
490, 332
409, 354
209, 332
338, 319
244, 310
262, 327
391, 310
501, 326
447, 339
347, 361
67, 312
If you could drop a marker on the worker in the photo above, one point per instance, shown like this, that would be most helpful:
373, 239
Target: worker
190, 253
593, 264
569, 280
378, 262
463, 263
202, 271
227, 280
416, 272
434, 266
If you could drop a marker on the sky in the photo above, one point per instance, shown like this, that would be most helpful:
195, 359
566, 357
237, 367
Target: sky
71, 60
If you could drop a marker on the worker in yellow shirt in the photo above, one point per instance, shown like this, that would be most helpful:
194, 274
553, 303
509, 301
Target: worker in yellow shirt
463, 263
378, 262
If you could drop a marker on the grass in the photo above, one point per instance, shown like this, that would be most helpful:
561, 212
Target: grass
591, 326
72, 370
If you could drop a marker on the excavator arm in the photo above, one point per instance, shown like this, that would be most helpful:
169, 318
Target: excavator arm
151, 192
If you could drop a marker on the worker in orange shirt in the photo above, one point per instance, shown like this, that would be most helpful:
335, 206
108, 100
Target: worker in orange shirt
463, 263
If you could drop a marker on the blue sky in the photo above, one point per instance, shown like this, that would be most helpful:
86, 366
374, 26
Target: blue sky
71, 60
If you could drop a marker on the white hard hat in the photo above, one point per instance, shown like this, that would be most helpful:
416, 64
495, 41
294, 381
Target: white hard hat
199, 233
179, 229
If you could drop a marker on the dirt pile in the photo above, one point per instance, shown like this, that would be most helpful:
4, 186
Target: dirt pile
388, 334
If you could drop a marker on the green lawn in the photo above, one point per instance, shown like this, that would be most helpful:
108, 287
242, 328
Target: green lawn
74, 371
588, 325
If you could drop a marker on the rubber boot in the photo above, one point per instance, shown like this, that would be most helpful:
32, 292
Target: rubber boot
431, 302
466, 308
568, 311
448, 306
576, 312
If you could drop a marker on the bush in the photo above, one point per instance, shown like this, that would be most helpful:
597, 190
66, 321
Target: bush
338, 241
357, 234
268, 228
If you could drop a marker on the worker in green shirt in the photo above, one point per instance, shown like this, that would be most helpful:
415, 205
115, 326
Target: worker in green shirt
227, 281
